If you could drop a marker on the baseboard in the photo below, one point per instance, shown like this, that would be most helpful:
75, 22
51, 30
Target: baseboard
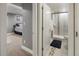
27, 49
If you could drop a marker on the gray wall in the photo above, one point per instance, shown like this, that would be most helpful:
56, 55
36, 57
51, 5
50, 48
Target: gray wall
27, 27
11, 22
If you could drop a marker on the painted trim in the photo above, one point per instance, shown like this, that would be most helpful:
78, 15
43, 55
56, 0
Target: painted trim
71, 30
26, 49
39, 27
34, 29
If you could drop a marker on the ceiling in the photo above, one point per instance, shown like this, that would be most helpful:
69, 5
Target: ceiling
58, 7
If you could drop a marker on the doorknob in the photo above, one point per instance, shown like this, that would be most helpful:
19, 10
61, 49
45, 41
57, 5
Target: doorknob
76, 34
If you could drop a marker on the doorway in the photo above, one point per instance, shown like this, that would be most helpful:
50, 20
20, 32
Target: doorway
19, 30
32, 16
56, 26
60, 29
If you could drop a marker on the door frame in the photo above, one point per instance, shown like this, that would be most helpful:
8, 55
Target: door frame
71, 28
39, 29
76, 17
3, 29
34, 29
71, 51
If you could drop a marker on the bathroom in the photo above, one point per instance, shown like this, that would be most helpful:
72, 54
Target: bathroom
55, 23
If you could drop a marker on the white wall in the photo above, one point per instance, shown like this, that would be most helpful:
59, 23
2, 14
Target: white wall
3, 22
